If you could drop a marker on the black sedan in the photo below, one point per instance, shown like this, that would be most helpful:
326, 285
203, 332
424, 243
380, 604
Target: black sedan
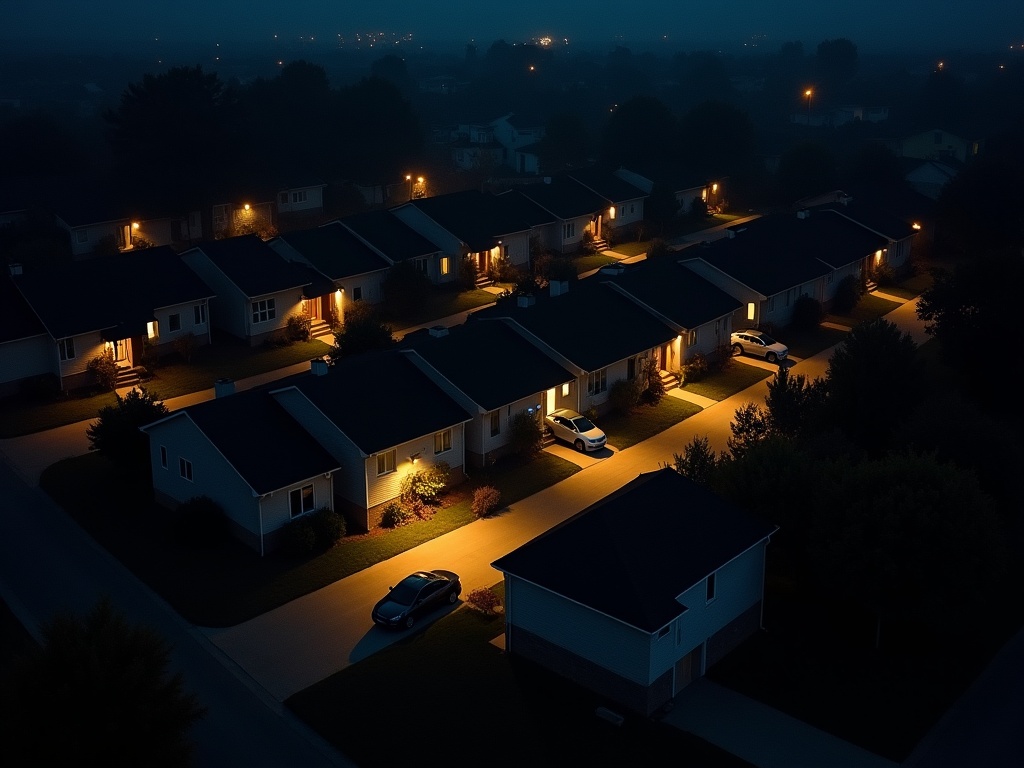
414, 596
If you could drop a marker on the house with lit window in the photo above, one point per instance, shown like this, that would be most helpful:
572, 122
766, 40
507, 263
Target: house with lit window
592, 330
898, 233
256, 289
530, 380
685, 186
246, 453
128, 305
381, 418
347, 268
301, 197
579, 212
395, 241
625, 201
769, 263
640, 593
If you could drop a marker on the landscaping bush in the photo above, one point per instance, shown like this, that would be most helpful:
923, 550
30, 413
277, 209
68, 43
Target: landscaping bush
185, 345
484, 600
657, 248
624, 394
807, 313
298, 538
297, 328
467, 273
394, 515
328, 526
104, 370
847, 295
524, 434
652, 388
884, 274
697, 368
200, 523
485, 500
426, 486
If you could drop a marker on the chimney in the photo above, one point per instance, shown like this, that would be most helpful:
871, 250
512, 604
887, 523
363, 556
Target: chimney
223, 387
558, 287
15, 269
525, 301
318, 366
437, 331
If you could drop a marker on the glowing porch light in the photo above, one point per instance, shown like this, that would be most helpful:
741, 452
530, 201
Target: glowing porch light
915, 225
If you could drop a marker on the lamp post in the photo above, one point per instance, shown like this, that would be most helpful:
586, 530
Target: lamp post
408, 177
808, 93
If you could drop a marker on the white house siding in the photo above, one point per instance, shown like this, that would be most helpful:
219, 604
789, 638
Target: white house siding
314, 199
212, 476
369, 286
287, 303
685, 198
187, 315
87, 347
85, 239
828, 288
899, 253
569, 244
616, 372
610, 644
518, 248
549, 236
224, 307
277, 509
480, 442
24, 359
735, 289
383, 488
709, 337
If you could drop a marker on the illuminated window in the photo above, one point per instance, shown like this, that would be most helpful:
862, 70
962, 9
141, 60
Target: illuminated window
67, 349
442, 441
174, 322
264, 310
750, 311
445, 265
710, 587
597, 382
495, 423
301, 500
565, 389
199, 314
163, 456
185, 468
385, 462
151, 329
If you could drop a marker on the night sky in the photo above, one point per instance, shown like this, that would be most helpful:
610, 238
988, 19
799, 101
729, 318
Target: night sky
883, 24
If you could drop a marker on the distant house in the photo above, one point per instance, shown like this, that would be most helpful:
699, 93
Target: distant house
684, 186
395, 241
246, 453
931, 176
639, 594
940, 145
519, 135
474, 146
899, 233
579, 212
127, 305
626, 200
530, 381
256, 289
301, 197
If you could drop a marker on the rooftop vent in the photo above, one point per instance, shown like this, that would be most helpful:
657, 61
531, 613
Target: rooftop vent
15, 269
223, 387
558, 287
803, 214
437, 331
525, 301
318, 366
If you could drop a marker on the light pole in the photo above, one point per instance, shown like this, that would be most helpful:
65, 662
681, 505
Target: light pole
808, 93
408, 177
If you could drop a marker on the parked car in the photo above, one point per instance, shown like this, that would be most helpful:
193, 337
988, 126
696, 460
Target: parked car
414, 596
758, 343
575, 429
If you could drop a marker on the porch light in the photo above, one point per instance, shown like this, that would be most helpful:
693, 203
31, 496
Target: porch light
915, 225
414, 457
247, 206
714, 188
135, 225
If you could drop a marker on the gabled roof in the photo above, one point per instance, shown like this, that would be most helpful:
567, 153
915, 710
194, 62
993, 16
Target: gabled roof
778, 252
389, 235
605, 183
632, 554
252, 265
118, 292
17, 320
470, 354
380, 400
592, 325
479, 219
265, 445
875, 219
678, 293
565, 197
335, 251
524, 208
673, 176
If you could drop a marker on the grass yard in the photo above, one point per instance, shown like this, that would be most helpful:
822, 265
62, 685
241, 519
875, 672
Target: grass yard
868, 308
226, 585
627, 429
592, 262
440, 304
632, 248
727, 383
461, 697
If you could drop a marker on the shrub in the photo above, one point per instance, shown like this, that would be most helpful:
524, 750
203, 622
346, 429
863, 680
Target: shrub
524, 434
484, 600
657, 248
467, 273
104, 370
591, 413
587, 246
201, 523
847, 295
426, 485
394, 515
697, 368
298, 328
885, 274
328, 527
298, 538
807, 313
652, 387
185, 345
485, 500
624, 394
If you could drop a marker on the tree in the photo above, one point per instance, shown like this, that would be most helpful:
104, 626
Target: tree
116, 433
362, 331
836, 62
750, 426
793, 404
641, 130
698, 461
807, 168
98, 692
566, 142
717, 139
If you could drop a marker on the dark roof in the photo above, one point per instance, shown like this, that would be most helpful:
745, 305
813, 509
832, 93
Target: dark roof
17, 320
335, 251
902, 201
110, 292
470, 354
517, 205
777, 252
678, 293
673, 176
876, 219
592, 325
253, 266
605, 183
408, 404
479, 219
389, 235
630, 555
564, 197
268, 448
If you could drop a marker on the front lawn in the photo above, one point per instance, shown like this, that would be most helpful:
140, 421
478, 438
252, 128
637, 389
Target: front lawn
632, 248
735, 378
461, 697
592, 262
441, 303
870, 307
226, 585
627, 429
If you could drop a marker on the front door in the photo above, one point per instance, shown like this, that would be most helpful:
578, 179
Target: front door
121, 351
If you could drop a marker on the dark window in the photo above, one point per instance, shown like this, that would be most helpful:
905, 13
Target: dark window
185, 468
174, 322
163, 456
711, 587
357, 293
301, 500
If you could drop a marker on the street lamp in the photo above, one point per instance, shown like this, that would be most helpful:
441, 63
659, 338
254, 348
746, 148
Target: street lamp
408, 177
808, 93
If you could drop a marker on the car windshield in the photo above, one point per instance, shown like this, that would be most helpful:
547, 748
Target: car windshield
406, 590
582, 424
766, 339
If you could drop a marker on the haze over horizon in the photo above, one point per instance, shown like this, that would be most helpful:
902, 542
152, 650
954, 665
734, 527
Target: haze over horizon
875, 25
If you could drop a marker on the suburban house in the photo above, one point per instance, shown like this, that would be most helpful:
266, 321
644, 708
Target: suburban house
26, 348
626, 201
578, 211
899, 233
519, 135
127, 305
939, 145
395, 241
530, 380
684, 186
640, 593
350, 271
301, 197
259, 207
256, 290
592, 330
929, 177
697, 310
770, 262
474, 146
484, 227
246, 453
381, 418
